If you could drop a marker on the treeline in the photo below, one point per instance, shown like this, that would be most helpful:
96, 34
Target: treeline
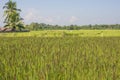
43, 26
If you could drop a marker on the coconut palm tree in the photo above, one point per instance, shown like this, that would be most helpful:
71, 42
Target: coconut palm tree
12, 14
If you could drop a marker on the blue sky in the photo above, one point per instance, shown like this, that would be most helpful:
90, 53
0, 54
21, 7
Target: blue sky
66, 12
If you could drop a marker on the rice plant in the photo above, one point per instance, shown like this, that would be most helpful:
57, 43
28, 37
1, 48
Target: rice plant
63, 58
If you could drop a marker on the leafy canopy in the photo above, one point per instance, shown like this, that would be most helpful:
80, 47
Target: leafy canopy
12, 16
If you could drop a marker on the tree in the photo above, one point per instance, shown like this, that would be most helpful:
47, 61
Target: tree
12, 14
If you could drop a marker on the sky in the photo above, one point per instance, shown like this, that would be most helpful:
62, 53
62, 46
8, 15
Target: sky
67, 12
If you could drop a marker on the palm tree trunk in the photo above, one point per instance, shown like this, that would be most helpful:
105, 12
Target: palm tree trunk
14, 28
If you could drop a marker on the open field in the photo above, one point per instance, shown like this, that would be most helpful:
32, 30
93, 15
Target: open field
60, 57
59, 40
62, 33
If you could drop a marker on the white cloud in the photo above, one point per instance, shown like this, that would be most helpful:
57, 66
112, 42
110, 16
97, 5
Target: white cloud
33, 15
73, 19
29, 16
49, 19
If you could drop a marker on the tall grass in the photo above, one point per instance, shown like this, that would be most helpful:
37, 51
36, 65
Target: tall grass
63, 58
62, 33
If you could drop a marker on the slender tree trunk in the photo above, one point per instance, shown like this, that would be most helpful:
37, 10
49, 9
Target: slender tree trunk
14, 28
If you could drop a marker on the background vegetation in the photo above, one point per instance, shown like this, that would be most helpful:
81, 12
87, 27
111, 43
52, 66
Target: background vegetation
42, 26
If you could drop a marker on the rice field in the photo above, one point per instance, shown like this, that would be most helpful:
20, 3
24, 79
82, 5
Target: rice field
64, 33
67, 57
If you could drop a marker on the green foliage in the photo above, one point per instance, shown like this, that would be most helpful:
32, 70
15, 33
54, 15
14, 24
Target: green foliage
42, 26
63, 58
12, 14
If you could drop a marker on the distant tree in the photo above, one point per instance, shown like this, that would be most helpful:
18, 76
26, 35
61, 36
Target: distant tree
12, 14
43, 26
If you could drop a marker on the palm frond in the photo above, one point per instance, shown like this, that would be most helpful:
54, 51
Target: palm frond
6, 25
